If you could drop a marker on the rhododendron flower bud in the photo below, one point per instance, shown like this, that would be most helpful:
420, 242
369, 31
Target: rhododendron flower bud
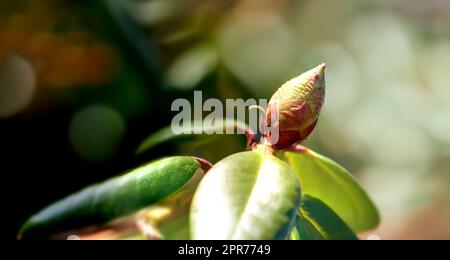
299, 102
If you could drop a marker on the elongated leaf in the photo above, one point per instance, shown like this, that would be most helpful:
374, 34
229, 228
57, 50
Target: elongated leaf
247, 195
319, 220
113, 198
189, 132
329, 182
170, 217
166, 219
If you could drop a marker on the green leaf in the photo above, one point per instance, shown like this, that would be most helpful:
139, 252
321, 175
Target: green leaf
113, 198
304, 230
248, 195
317, 214
189, 132
170, 217
329, 182
316, 221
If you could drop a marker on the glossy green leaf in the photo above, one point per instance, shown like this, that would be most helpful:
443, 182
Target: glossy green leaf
247, 195
170, 217
113, 198
189, 132
329, 182
316, 221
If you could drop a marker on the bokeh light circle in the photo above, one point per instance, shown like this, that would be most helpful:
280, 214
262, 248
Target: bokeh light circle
17, 85
96, 132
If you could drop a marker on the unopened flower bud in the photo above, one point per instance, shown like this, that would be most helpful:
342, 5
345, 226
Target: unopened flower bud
298, 102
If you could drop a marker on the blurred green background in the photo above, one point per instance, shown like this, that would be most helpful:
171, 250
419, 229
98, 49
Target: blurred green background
83, 82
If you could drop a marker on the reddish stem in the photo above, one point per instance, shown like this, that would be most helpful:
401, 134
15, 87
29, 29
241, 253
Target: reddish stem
204, 164
297, 148
252, 141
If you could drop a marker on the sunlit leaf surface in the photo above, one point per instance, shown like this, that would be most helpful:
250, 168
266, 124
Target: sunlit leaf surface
247, 195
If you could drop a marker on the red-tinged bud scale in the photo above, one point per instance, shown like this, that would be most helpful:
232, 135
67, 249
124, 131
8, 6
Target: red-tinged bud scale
299, 102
